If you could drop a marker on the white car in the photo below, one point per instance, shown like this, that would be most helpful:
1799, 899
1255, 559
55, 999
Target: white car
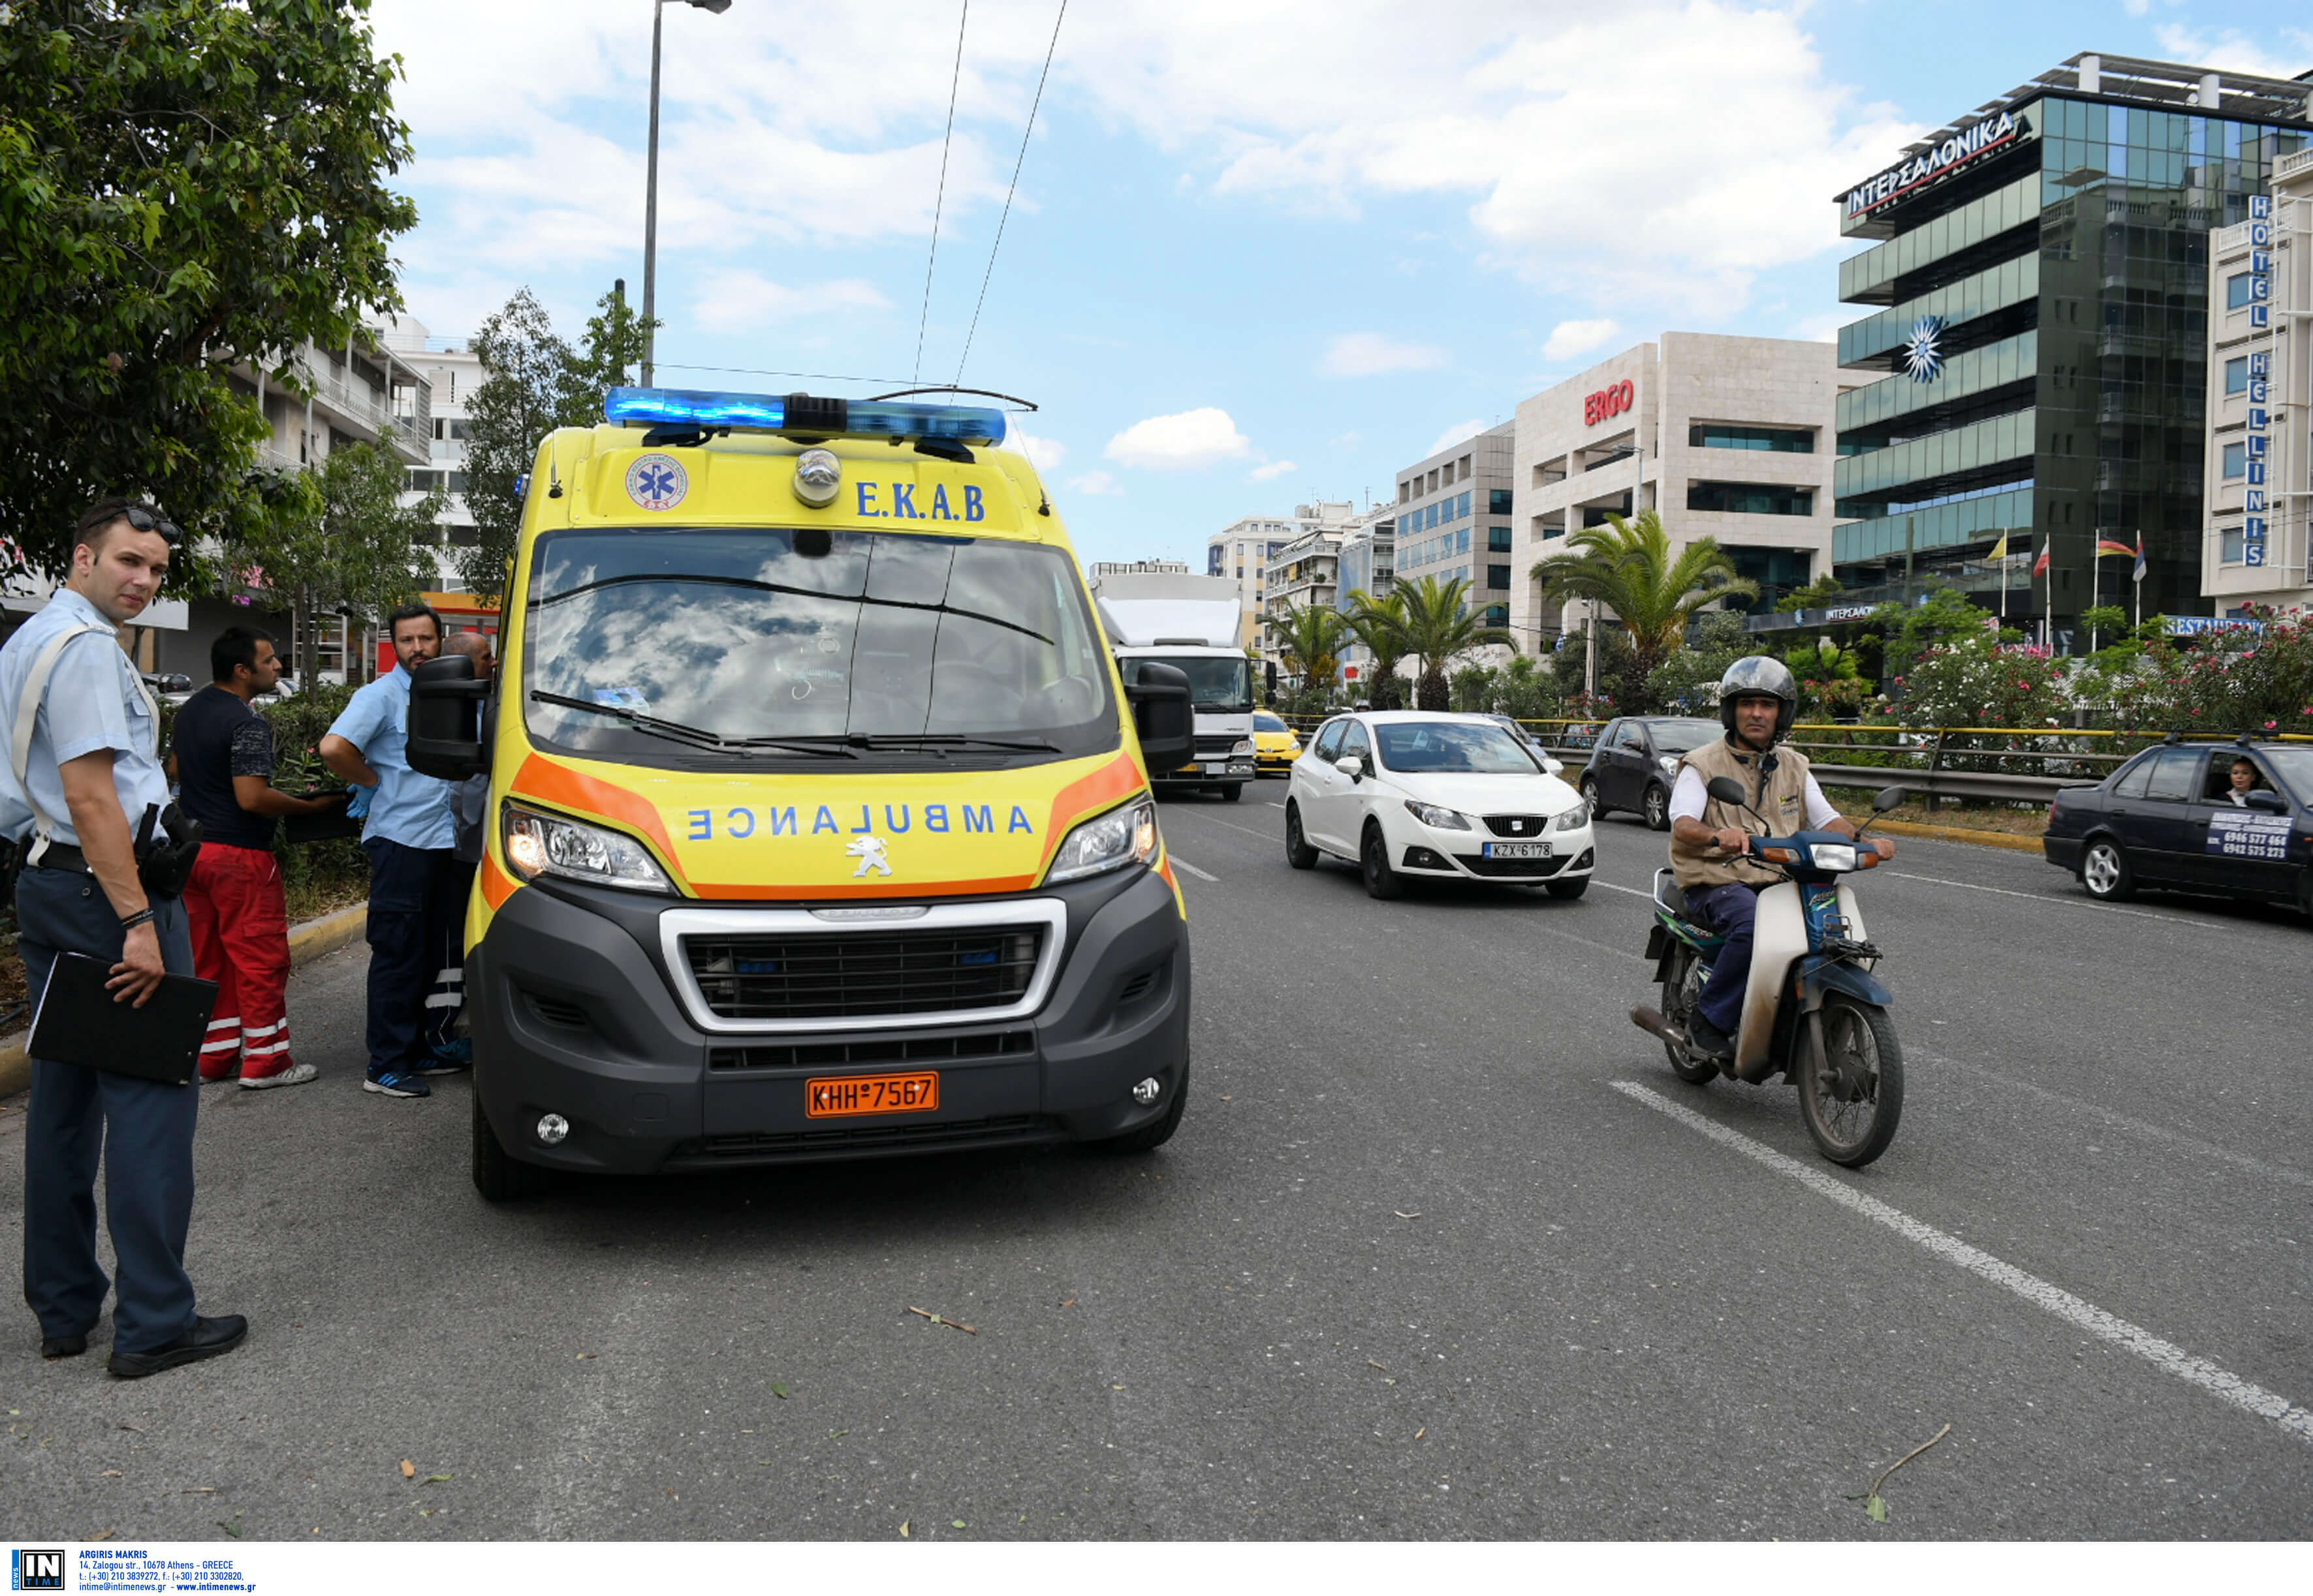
1405, 795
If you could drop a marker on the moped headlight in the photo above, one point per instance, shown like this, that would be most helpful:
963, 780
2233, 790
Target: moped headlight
1574, 819
1437, 816
1121, 837
1833, 855
540, 844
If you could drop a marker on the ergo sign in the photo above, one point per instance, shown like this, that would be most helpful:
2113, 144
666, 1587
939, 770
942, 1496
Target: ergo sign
1608, 402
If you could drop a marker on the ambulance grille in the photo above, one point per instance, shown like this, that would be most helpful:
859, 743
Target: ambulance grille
863, 974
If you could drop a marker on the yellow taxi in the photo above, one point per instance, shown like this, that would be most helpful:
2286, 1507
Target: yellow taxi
1274, 745
819, 822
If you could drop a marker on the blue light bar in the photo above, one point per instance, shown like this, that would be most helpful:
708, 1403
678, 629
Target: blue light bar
815, 417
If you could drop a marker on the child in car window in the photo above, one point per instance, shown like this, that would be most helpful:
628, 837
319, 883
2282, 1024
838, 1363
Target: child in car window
2245, 780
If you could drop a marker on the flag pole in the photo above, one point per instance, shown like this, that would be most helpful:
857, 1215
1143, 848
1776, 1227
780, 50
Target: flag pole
2136, 579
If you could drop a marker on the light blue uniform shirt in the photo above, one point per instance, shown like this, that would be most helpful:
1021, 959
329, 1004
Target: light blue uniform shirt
93, 701
409, 809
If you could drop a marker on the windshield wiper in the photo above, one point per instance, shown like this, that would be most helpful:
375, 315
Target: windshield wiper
1026, 745
834, 748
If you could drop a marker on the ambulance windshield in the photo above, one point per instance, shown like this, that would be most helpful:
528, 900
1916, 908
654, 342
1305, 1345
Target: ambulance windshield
755, 645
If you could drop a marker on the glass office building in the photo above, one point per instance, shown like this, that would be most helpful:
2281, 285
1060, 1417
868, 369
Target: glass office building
2040, 267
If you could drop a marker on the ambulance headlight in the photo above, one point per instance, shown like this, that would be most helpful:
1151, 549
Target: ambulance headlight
1121, 837
818, 474
538, 844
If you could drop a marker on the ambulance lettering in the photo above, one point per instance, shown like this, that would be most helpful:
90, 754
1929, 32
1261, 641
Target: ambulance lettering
976, 818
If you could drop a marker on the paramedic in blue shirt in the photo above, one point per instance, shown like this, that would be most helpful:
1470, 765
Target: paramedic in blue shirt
92, 766
413, 877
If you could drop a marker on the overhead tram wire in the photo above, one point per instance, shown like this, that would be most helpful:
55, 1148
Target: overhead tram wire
1008, 193
939, 200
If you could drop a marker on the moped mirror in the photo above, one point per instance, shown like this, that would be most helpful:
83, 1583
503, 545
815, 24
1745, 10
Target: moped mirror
1889, 798
1350, 766
1728, 790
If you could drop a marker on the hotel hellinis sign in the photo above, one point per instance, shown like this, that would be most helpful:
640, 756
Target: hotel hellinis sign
1987, 137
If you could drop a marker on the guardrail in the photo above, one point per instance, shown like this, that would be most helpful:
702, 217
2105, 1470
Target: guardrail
1934, 762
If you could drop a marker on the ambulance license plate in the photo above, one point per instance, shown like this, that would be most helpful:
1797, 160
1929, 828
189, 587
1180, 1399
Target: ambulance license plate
1518, 850
831, 1097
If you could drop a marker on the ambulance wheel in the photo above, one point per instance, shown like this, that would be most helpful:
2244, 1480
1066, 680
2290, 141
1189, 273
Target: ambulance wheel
1158, 1131
498, 1177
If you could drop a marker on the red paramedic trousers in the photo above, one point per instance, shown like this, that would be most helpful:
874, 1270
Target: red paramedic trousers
239, 921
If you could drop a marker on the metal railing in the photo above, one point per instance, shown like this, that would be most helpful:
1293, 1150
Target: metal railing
1934, 762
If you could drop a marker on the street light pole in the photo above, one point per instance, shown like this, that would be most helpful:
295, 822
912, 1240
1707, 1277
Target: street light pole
650, 193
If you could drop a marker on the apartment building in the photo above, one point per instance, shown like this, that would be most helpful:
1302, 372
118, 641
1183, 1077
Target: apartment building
1240, 552
1453, 509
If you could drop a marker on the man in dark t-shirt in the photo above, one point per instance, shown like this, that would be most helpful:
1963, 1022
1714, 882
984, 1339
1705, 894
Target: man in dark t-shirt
223, 752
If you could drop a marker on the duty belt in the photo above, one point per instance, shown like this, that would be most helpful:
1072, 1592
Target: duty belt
61, 856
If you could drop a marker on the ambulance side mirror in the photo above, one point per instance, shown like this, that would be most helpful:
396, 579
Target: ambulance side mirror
445, 719
1162, 716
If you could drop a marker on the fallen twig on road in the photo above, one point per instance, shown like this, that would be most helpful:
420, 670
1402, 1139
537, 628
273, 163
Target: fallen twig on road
1872, 1504
955, 1324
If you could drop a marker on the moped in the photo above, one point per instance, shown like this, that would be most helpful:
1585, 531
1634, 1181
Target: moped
1814, 1010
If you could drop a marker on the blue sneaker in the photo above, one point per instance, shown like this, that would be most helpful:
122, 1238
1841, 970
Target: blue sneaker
453, 1055
395, 1084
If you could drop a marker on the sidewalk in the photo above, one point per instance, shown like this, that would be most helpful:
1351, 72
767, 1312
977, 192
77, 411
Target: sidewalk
308, 940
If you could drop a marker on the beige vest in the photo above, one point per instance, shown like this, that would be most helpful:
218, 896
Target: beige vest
1784, 805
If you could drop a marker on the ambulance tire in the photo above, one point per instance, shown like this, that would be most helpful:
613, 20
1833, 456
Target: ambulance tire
498, 1176
1158, 1131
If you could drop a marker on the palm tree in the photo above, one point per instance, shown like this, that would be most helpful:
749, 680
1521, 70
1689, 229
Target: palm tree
1379, 624
1436, 627
1629, 570
1309, 642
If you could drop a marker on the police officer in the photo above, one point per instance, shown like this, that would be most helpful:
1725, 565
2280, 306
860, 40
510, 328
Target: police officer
86, 766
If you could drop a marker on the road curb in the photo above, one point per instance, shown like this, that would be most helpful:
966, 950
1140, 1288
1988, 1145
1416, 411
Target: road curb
1989, 839
308, 940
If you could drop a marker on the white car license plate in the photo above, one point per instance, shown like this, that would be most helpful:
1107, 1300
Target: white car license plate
1518, 850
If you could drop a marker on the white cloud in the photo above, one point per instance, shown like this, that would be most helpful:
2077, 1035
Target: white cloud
2235, 51
1275, 467
1571, 338
1095, 483
1369, 354
735, 299
1044, 453
1189, 441
1460, 432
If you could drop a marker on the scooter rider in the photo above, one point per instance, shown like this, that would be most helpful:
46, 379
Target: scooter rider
1757, 702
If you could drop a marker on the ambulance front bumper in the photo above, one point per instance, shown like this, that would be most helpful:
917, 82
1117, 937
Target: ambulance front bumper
584, 1004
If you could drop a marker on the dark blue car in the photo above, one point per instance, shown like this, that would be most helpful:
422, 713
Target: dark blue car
2175, 818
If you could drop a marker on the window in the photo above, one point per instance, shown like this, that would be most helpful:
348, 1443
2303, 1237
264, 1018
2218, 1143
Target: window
1498, 540
2236, 460
2132, 779
1329, 741
2236, 374
1430, 518
1779, 440
1498, 501
2231, 548
2177, 774
1354, 744
1462, 505
1462, 541
1750, 498
1498, 578
2236, 291
1498, 615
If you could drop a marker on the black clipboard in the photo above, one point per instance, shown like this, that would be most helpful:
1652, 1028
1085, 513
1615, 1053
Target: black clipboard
78, 1023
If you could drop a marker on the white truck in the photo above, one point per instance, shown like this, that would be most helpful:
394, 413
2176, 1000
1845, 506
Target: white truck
1192, 624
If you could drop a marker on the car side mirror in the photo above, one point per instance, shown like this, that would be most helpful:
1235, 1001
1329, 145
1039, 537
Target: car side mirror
1727, 790
2267, 800
1889, 798
1162, 717
1350, 766
445, 719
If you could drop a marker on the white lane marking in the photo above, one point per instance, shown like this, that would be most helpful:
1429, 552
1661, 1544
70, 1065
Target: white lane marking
2165, 1356
1274, 804
1611, 887
2103, 909
1249, 831
1181, 863
2151, 1133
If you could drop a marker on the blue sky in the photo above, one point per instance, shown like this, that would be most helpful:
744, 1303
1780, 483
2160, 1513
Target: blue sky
1262, 252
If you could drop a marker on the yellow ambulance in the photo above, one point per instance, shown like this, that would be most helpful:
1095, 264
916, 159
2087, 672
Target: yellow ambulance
819, 820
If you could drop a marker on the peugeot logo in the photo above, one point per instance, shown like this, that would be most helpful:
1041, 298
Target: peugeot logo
870, 851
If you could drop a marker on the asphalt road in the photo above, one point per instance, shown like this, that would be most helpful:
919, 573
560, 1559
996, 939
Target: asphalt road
1433, 1256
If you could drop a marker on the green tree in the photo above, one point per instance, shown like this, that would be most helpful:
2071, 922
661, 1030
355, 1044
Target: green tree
1687, 681
1629, 568
534, 381
1438, 627
343, 539
1379, 624
1823, 590
185, 187
1309, 644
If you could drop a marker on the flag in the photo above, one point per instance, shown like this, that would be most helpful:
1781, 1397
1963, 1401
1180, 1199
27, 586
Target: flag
2106, 545
2138, 575
2040, 566
1999, 549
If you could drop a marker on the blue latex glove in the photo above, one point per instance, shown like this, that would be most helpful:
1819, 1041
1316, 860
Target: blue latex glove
359, 804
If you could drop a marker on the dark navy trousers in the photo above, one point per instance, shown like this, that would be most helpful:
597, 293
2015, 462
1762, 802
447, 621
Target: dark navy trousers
1730, 911
415, 904
143, 1129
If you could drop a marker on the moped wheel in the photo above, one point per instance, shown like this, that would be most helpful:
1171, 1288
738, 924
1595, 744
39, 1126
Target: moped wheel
1852, 1090
1680, 992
